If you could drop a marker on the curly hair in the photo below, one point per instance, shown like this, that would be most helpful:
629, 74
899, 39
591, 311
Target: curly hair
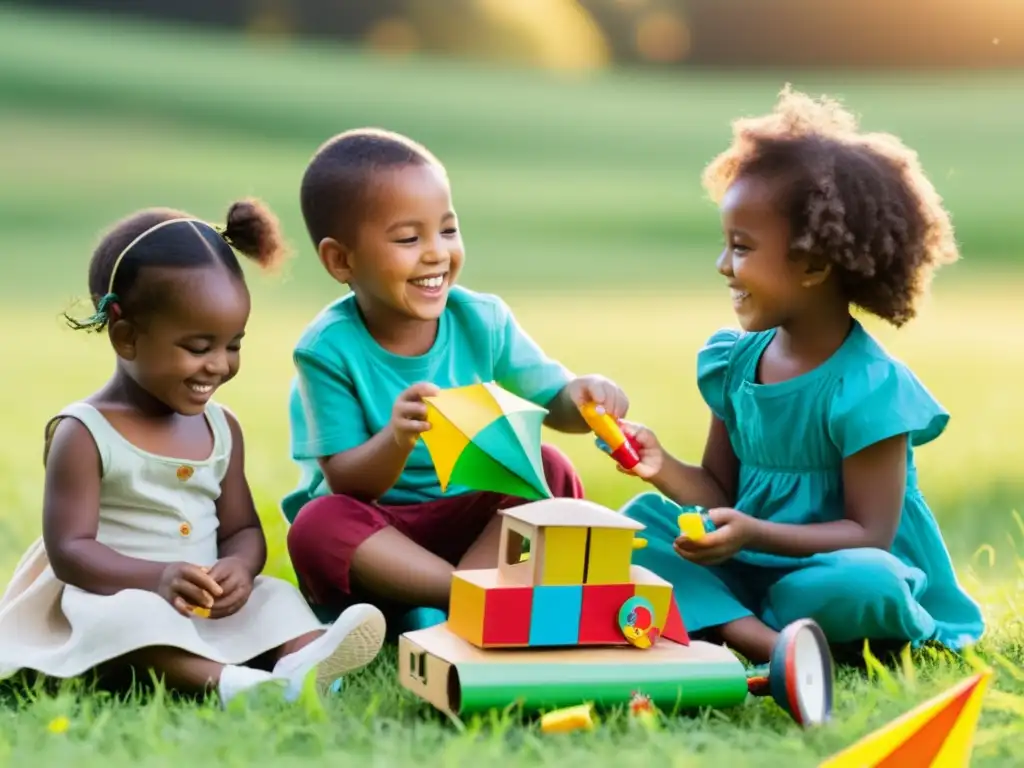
859, 200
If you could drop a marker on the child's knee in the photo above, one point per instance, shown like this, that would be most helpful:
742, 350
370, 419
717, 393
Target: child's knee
326, 527
651, 509
849, 592
560, 473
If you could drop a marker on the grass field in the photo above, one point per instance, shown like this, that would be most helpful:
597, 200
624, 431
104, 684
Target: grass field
586, 191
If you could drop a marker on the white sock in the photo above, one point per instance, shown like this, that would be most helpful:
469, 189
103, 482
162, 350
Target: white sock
235, 679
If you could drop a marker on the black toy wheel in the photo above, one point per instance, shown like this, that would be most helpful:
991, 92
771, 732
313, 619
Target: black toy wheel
801, 676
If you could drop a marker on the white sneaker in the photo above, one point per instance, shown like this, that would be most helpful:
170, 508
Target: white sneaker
350, 643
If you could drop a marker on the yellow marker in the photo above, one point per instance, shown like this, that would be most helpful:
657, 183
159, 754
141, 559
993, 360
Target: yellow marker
691, 524
568, 719
203, 613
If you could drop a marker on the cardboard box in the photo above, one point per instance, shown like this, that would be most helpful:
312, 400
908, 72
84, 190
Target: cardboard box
459, 679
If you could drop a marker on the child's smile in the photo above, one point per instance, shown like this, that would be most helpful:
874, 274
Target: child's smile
408, 250
763, 276
185, 353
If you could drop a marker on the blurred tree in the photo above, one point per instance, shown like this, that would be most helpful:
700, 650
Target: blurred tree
554, 34
644, 31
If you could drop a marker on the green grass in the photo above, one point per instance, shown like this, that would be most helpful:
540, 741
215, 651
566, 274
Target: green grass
585, 190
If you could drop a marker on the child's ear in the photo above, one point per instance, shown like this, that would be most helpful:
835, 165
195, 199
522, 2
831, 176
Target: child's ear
336, 258
123, 338
817, 270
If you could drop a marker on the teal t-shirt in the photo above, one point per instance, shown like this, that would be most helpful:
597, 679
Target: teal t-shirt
346, 384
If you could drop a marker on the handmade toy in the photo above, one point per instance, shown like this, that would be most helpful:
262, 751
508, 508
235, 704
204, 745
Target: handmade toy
569, 719
691, 525
623, 448
487, 438
571, 589
937, 734
575, 621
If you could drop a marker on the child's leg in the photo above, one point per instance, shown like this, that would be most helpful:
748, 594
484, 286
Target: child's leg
343, 547
404, 555
715, 601
855, 594
187, 673
391, 565
750, 637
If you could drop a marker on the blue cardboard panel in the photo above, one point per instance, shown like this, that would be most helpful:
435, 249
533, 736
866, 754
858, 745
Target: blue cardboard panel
555, 619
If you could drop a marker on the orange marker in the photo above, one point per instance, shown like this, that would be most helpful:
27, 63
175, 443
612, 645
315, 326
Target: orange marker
621, 448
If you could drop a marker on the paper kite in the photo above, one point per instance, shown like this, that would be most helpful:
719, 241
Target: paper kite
485, 438
937, 734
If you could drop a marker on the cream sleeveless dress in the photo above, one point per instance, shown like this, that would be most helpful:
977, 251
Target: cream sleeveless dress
155, 508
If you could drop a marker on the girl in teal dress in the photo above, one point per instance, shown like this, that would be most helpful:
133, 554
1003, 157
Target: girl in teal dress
808, 476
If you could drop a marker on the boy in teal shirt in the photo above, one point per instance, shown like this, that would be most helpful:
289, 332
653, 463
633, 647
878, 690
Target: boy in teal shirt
369, 521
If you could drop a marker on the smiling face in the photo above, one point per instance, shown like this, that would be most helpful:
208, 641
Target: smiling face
183, 352
407, 250
767, 281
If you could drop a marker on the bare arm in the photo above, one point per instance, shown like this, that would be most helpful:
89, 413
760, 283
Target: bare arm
367, 471
713, 483
874, 483
564, 415
71, 499
240, 534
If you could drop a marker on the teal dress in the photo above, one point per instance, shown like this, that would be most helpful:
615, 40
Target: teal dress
791, 438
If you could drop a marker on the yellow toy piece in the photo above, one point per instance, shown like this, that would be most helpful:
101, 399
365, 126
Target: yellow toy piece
691, 524
639, 543
937, 734
568, 719
202, 613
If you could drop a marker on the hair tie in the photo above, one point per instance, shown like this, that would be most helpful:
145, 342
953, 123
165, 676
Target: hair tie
99, 319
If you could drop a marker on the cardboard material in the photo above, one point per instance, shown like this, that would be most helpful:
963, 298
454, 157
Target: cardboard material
489, 611
458, 678
486, 438
937, 734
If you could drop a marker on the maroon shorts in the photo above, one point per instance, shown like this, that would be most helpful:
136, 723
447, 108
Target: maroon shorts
328, 529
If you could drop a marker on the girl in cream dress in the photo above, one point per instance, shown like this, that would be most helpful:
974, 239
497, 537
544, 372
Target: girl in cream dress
151, 548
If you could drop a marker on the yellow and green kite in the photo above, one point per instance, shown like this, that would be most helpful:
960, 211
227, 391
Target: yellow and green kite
485, 438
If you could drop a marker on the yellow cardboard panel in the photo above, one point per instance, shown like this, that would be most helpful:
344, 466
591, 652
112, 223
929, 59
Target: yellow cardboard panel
660, 596
469, 409
565, 552
466, 610
611, 550
445, 444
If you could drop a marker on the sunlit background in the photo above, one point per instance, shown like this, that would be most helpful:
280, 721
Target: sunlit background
574, 133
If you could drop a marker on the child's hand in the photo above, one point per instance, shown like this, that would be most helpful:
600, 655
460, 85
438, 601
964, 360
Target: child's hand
186, 586
409, 414
601, 391
734, 530
652, 456
236, 582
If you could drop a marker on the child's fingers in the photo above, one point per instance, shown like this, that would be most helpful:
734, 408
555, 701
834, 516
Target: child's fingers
413, 425
193, 594
201, 579
419, 390
181, 606
417, 411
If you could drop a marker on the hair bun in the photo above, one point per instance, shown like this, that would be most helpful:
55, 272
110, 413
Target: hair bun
253, 229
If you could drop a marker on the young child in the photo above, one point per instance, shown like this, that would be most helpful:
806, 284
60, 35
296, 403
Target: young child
369, 520
808, 474
151, 548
